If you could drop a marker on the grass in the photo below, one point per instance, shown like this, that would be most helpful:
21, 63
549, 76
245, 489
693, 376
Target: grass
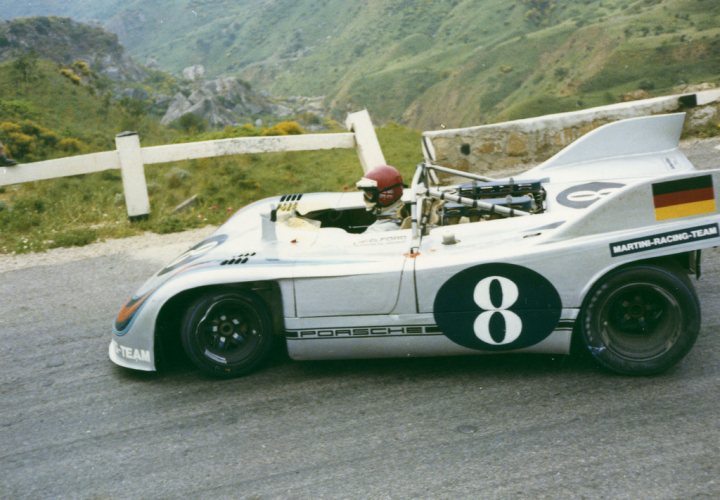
78, 210
84, 112
52, 112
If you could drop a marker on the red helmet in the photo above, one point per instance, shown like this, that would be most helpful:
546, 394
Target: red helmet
382, 186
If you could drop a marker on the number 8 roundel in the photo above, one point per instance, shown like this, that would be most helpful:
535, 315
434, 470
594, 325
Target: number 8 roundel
497, 307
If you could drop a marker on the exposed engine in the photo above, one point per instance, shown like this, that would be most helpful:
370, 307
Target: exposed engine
526, 196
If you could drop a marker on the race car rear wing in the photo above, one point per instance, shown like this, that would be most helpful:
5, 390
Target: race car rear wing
641, 136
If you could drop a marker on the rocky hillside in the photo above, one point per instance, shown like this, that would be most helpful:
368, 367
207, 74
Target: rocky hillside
78, 47
228, 100
424, 63
65, 41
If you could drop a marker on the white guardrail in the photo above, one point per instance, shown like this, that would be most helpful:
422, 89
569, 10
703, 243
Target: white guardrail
131, 159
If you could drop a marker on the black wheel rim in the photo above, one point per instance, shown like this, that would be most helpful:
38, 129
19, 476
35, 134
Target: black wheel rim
639, 321
230, 332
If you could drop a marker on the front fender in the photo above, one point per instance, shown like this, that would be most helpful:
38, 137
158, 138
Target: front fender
134, 333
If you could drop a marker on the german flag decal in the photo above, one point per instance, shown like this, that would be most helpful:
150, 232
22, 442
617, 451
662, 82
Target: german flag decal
684, 197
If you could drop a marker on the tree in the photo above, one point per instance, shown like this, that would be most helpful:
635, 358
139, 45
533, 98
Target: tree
539, 11
25, 68
191, 123
134, 108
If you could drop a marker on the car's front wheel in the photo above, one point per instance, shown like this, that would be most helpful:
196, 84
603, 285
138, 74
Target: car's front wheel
227, 333
641, 320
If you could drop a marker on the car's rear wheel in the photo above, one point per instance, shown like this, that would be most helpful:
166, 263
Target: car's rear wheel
227, 334
641, 320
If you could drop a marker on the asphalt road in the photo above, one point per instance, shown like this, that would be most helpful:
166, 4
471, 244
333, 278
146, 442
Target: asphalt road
74, 425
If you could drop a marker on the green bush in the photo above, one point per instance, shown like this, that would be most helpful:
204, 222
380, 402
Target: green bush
170, 224
74, 238
71, 145
190, 123
284, 128
28, 141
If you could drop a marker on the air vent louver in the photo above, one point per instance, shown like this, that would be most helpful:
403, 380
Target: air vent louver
238, 259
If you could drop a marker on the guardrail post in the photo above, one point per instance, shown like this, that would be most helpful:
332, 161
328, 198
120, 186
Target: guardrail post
366, 142
133, 175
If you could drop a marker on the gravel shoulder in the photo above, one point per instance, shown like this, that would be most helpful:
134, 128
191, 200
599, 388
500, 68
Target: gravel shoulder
147, 246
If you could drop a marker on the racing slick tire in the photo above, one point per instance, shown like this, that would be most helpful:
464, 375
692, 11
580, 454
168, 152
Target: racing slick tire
641, 320
227, 334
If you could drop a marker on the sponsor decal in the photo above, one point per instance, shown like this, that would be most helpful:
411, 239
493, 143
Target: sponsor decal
684, 197
584, 195
381, 240
668, 239
497, 307
369, 331
128, 311
195, 252
131, 354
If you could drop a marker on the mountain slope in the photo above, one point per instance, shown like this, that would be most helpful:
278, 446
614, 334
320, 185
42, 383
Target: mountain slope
425, 62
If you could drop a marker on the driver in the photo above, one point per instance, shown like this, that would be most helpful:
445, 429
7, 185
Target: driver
382, 189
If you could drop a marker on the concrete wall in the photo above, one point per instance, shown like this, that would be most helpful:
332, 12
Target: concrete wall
502, 146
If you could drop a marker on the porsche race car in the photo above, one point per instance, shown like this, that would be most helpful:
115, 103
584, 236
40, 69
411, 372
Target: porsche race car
598, 242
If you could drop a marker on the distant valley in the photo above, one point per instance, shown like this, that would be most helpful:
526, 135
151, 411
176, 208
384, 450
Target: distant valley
426, 63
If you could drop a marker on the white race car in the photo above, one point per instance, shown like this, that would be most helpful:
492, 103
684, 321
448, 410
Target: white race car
598, 242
